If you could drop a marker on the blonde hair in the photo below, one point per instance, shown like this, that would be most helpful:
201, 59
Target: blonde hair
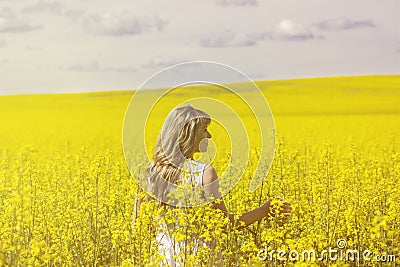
175, 144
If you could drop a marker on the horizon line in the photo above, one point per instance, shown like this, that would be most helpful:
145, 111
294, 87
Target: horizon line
158, 88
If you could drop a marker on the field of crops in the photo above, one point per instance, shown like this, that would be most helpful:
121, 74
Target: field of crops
67, 196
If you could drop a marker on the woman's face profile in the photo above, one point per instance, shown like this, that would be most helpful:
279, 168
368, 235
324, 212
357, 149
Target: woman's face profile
201, 144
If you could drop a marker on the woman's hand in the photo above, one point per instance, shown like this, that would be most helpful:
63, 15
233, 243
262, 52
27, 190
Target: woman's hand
274, 207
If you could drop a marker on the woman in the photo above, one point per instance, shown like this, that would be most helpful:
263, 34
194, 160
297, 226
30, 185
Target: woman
183, 134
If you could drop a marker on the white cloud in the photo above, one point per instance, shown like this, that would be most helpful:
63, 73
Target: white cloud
7, 12
17, 25
230, 39
94, 66
285, 30
54, 8
158, 62
237, 2
123, 24
288, 30
339, 24
11, 22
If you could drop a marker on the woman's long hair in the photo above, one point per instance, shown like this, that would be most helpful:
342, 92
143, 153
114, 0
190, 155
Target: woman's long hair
175, 144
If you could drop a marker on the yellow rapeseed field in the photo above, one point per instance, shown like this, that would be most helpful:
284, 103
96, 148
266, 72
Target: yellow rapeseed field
67, 196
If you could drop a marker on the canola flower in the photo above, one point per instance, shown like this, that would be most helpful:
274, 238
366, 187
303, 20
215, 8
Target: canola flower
67, 197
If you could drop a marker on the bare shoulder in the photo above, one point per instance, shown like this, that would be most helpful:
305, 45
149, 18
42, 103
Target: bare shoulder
209, 175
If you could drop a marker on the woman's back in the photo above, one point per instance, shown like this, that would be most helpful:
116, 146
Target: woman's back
186, 190
192, 172
191, 177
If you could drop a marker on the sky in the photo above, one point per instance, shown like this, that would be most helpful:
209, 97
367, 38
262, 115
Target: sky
74, 46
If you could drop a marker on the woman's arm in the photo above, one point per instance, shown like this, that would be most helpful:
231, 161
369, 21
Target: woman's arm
210, 182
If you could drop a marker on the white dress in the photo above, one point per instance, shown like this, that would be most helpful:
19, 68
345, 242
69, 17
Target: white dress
166, 245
